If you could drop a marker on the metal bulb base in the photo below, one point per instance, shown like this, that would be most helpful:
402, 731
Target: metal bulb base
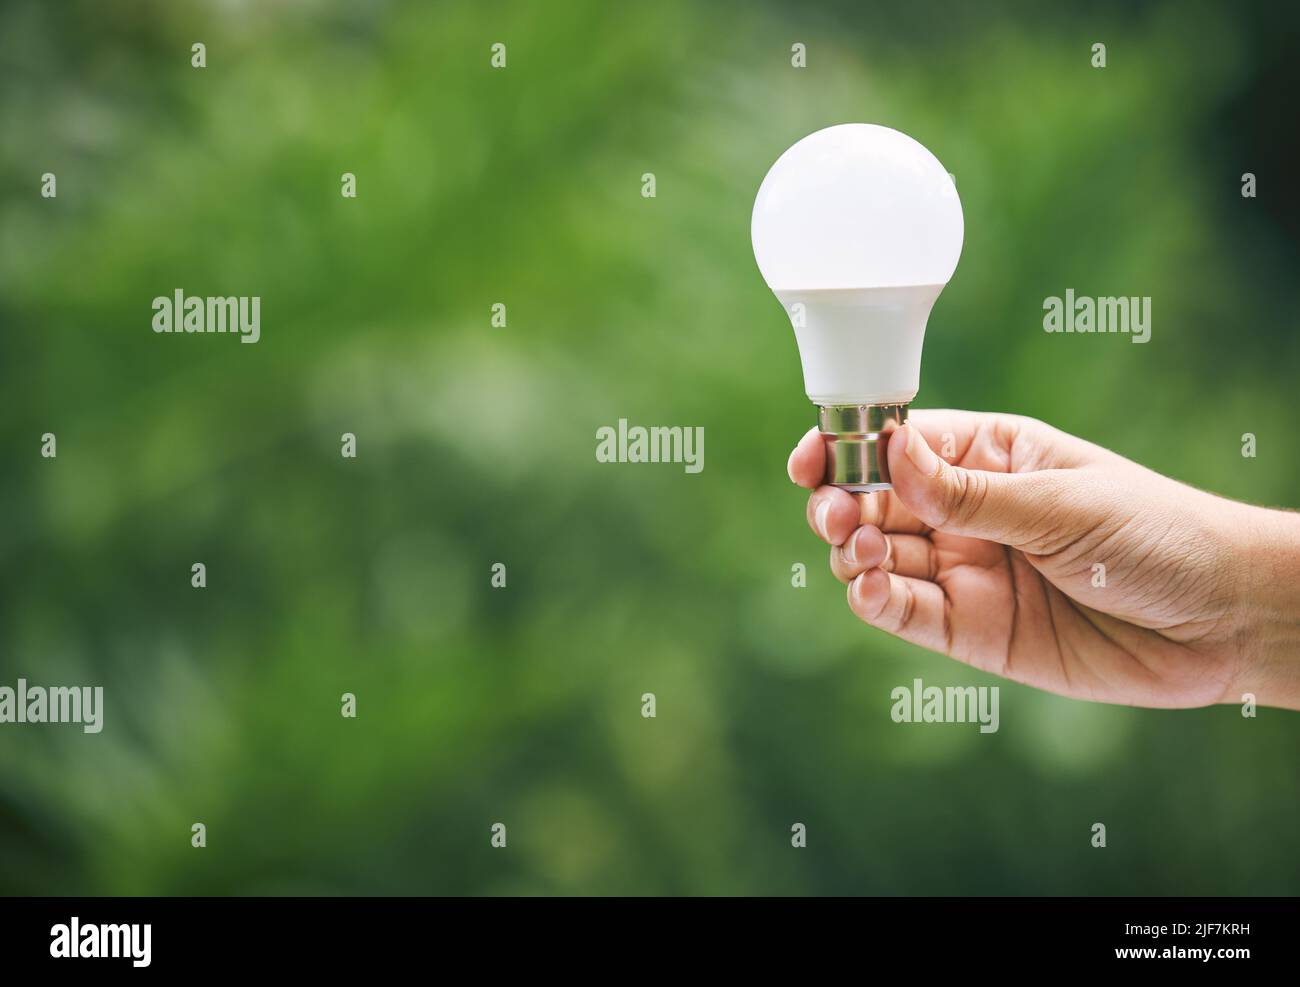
857, 443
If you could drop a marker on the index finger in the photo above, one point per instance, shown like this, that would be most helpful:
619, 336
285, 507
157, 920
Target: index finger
807, 465
998, 443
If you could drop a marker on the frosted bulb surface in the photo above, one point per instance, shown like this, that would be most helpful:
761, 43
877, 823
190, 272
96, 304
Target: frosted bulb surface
856, 229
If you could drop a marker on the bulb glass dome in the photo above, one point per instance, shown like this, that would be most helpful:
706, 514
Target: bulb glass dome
856, 229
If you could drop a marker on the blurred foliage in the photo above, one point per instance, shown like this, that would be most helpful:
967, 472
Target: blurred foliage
476, 444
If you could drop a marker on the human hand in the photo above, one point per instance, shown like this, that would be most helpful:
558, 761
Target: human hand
994, 557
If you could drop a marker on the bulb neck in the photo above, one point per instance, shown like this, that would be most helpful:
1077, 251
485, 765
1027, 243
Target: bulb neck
857, 443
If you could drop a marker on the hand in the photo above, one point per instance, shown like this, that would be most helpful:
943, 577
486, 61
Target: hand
1040, 557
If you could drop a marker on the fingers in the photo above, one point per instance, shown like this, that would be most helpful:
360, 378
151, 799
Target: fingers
869, 547
864, 549
832, 514
1014, 485
1000, 443
974, 440
955, 432
884, 510
807, 465
912, 609
1037, 512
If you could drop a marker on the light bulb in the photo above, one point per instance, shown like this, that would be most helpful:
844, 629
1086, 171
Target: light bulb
856, 230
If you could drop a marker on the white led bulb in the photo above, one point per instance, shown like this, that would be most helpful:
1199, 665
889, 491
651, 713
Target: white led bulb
856, 229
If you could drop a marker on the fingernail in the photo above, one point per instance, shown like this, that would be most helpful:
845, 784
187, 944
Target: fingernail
819, 518
851, 549
855, 587
789, 464
920, 453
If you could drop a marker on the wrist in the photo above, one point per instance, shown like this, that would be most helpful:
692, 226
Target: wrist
1268, 605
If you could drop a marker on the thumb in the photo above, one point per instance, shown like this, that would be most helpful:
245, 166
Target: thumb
1038, 512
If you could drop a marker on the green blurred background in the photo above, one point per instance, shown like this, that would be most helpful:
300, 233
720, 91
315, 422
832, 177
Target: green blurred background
476, 444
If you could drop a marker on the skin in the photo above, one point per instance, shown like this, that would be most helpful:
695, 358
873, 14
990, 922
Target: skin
989, 556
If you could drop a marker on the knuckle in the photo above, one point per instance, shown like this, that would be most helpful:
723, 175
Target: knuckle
906, 604
966, 491
839, 567
888, 563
